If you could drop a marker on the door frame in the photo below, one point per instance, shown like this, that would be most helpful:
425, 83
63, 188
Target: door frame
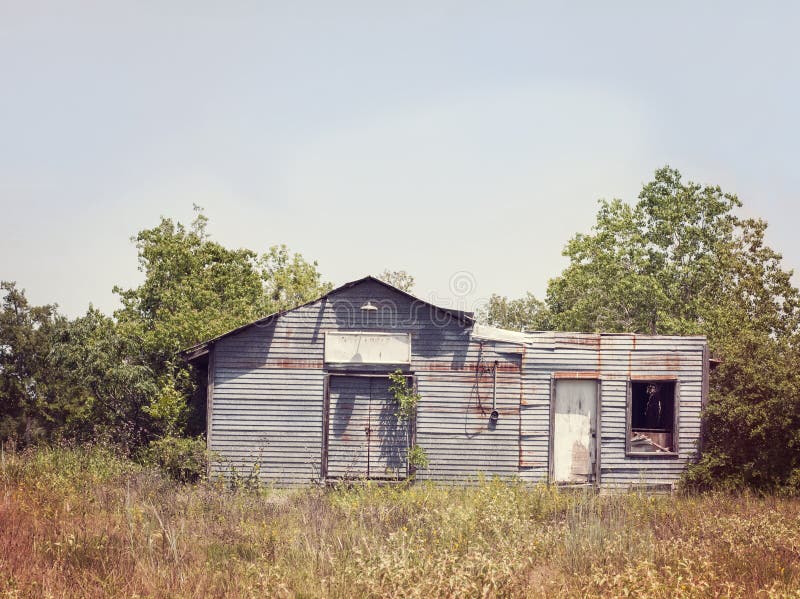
590, 376
326, 403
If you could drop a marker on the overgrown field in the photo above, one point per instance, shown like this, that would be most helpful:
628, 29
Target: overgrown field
85, 523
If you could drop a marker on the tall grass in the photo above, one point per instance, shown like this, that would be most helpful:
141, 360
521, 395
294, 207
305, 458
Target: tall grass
86, 523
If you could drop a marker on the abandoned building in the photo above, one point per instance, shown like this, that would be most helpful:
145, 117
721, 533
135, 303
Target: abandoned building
304, 396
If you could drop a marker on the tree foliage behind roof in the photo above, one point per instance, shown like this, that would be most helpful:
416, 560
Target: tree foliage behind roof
195, 288
398, 278
523, 314
677, 262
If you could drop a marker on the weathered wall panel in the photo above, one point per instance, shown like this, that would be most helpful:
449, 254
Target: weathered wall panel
270, 379
614, 360
268, 406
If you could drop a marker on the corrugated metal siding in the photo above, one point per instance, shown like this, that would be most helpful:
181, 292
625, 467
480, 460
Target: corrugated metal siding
365, 438
269, 387
453, 420
267, 416
348, 422
388, 438
614, 360
269, 390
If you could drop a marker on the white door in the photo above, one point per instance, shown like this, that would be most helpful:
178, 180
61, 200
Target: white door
574, 428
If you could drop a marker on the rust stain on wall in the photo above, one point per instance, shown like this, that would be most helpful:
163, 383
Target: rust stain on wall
484, 366
577, 375
299, 364
667, 361
584, 340
485, 410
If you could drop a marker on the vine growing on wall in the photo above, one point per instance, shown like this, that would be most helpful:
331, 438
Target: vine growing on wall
407, 399
404, 395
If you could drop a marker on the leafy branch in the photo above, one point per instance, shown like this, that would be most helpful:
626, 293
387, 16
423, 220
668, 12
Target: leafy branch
404, 395
407, 399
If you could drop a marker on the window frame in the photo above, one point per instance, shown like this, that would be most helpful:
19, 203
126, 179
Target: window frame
675, 418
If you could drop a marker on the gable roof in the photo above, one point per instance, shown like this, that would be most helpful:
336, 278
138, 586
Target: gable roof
200, 349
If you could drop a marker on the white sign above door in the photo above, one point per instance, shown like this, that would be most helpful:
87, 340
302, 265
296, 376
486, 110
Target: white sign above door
363, 347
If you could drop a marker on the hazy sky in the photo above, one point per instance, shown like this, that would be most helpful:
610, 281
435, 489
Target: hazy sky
435, 137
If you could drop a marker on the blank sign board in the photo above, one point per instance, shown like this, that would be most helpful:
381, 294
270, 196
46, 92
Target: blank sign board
368, 348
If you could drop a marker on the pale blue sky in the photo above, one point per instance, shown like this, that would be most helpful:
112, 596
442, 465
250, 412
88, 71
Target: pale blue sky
434, 137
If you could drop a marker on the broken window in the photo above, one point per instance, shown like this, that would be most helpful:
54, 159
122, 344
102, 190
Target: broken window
652, 417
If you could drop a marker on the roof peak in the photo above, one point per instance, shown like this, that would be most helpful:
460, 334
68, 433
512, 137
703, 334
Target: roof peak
201, 348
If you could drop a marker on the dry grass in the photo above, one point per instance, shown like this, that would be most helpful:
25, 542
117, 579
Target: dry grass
84, 523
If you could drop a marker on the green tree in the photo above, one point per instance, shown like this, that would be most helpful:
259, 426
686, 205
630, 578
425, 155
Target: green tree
110, 391
289, 280
74, 380
678, 262
398, 278
525, 313
752, 422
195, 288
29, 400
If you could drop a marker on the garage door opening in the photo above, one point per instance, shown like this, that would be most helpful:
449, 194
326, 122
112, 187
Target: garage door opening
365, 438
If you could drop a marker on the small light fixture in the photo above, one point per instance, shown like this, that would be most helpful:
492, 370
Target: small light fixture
368, 307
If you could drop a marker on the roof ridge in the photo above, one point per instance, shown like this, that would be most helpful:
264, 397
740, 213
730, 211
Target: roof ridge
196, 349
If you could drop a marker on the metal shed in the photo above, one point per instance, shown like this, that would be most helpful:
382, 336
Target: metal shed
304, 395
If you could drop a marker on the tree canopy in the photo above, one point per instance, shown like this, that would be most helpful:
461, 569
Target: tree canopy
398, 278
29, 386
680, 261
523, 314
195, 288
